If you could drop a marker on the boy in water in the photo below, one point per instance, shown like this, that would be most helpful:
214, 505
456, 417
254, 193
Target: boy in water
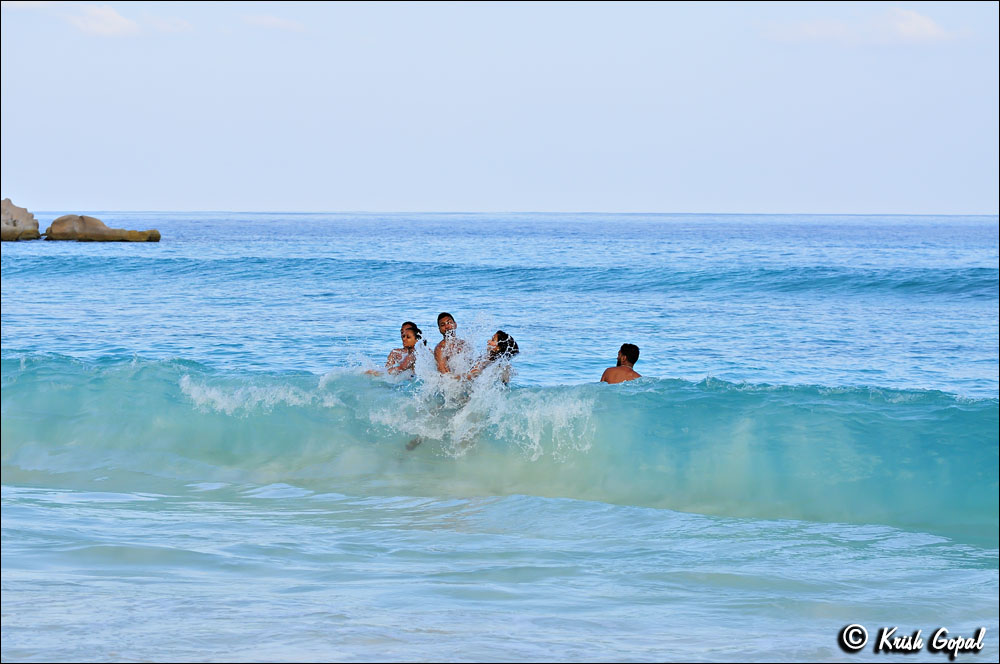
628, 355
450, 345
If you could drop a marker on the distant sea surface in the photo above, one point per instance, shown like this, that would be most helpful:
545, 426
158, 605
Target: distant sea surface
197, 467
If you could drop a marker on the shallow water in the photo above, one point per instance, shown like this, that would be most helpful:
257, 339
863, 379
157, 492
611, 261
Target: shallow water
195, 466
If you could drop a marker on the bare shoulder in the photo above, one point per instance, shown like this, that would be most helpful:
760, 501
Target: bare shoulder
616, 375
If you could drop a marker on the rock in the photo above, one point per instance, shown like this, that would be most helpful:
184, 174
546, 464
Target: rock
16, 223
91, 229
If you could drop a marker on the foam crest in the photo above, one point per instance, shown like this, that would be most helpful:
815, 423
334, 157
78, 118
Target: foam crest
242, 399
249, 398
559, 420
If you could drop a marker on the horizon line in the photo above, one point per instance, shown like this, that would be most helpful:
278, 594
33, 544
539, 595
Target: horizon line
558, 212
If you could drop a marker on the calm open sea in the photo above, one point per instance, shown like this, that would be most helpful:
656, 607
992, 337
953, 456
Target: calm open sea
196, 467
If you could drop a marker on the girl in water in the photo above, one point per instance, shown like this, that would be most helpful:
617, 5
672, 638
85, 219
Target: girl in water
402, 359
501, 346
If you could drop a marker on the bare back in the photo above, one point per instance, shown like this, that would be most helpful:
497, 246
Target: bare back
619, 374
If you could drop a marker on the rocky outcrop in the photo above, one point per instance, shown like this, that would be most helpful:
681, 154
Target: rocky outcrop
91, 229
16, 223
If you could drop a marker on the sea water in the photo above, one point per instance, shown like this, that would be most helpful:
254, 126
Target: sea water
197, 467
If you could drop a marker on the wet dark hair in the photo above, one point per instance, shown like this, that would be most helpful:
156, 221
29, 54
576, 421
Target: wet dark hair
444, 314
631, 352
416, 330
506, 346
412, 326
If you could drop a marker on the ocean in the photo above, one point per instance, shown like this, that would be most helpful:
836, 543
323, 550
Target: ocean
196, 465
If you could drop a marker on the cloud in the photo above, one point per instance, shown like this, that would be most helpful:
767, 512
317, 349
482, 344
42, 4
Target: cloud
897, 26
103, 21
909, 26
274, 22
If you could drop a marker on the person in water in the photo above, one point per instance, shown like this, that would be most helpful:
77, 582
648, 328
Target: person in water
628, 355
501, 346
403, 359
450, 344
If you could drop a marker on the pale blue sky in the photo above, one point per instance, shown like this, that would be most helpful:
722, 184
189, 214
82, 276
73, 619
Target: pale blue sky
750, 107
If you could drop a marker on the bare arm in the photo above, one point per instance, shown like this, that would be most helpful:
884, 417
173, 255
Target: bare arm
393, 358
604, 376
477, 369
400, 361
408, 362
441, 359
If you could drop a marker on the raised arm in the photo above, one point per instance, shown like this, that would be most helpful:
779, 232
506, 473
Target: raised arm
441, 358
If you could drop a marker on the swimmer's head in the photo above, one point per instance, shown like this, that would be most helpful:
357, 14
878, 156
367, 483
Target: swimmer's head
409, 333
629, 353
446, 322
413, 326
502, 345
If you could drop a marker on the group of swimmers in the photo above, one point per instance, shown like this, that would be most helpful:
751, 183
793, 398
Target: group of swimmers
501, 346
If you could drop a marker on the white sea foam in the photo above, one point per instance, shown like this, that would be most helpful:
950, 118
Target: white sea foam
247, 398
460, 412
529, 418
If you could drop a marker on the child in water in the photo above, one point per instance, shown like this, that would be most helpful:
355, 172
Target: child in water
501, 346
403, 359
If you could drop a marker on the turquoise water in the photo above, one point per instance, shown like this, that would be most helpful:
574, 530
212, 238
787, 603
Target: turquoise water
196, 467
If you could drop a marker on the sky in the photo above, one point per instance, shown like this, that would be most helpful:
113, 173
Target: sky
826, 108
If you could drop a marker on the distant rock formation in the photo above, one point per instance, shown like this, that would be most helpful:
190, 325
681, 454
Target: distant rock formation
16, 223
91, 229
